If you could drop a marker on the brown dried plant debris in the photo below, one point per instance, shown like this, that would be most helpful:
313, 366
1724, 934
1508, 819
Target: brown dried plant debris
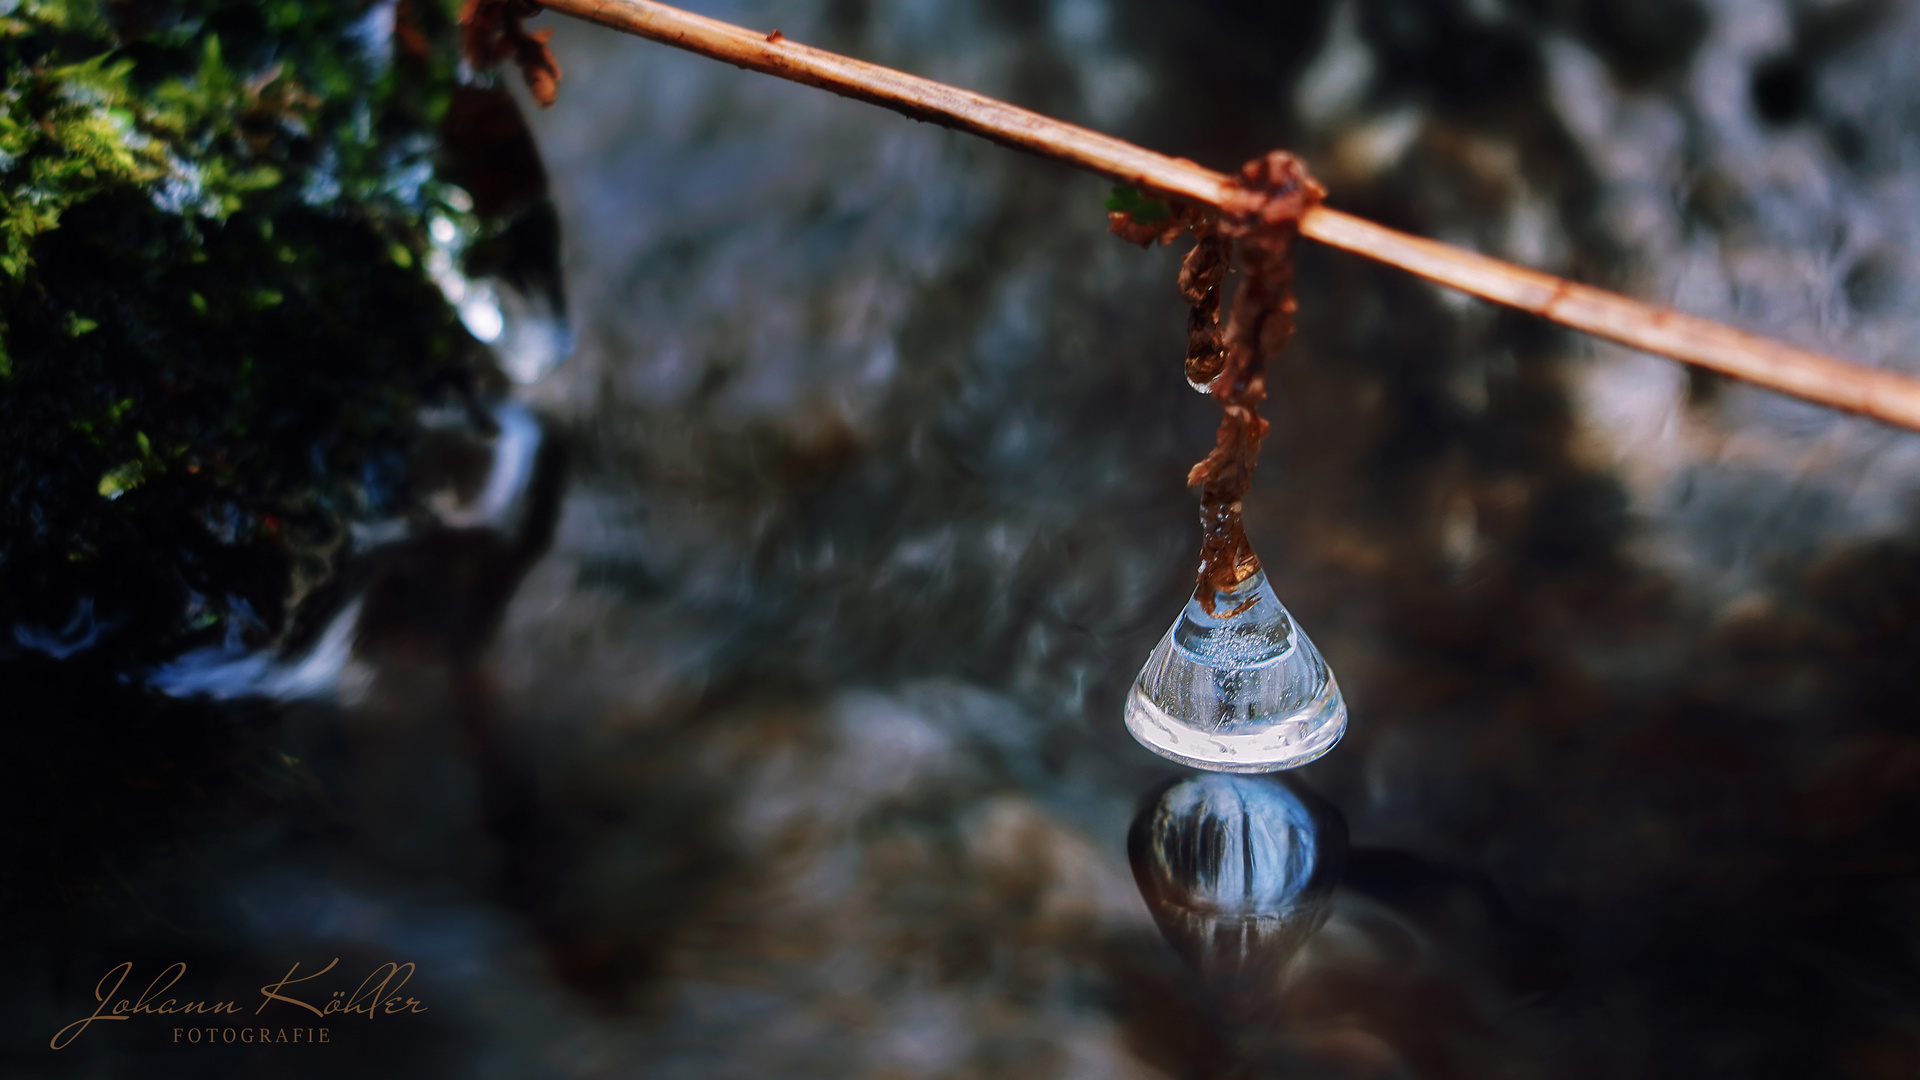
493, 33
1148, 233
1261, 220
1201, 275
408, 32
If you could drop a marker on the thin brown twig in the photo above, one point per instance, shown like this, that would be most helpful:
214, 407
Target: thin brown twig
1883, 395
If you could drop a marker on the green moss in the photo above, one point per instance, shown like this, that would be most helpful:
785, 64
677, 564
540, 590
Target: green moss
215, 329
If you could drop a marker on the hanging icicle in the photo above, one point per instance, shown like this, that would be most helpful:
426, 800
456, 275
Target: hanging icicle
1235, 685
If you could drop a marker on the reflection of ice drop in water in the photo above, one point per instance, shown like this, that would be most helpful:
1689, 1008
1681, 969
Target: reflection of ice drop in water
1242, 690
1238, 872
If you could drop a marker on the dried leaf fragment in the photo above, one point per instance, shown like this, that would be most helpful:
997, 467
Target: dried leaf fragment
1259, 222
1201, 274
493, 33
1140, 219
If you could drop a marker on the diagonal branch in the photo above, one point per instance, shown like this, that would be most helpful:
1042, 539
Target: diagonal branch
1883, 395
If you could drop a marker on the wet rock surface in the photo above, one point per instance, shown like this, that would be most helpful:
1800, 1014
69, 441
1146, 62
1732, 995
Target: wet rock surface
774, 728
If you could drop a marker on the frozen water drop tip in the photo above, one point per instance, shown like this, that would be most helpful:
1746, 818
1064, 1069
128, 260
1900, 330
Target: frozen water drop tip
1242, 690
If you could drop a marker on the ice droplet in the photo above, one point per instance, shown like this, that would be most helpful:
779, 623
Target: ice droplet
1240, 691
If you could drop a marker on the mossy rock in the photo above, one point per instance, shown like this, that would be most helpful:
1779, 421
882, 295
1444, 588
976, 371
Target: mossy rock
216, 325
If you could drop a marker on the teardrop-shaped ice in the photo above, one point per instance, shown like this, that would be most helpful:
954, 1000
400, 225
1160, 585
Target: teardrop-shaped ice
1241, 690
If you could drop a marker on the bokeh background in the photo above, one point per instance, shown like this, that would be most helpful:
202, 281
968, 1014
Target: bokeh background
759, 716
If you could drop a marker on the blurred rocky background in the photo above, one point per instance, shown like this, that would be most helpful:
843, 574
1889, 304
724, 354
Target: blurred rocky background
746, 700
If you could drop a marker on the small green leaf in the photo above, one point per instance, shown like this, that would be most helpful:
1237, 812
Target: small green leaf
118, 481
1129, 201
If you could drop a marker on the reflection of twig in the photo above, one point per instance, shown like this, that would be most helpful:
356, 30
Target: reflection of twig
1880, 394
